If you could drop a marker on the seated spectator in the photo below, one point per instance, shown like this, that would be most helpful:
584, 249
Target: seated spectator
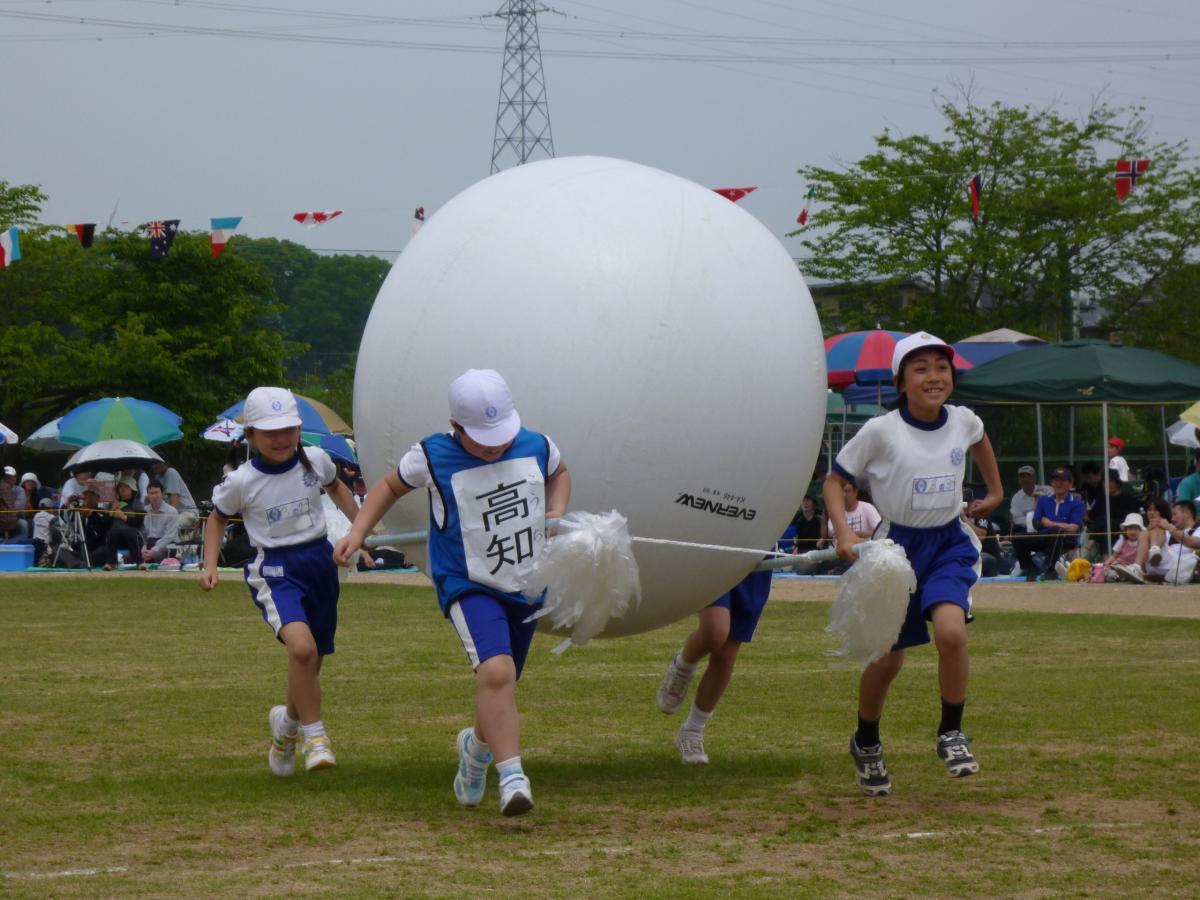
1059, 520
72, 489
1024, 501
42, 520
125, 532
1116, 447
1120, 504
95, 523
12, 526
174, 489
989, 542
141, 481
1173, 561
810, 525
1125, 550
1091, 492
862, 517
1189, 488
161, 529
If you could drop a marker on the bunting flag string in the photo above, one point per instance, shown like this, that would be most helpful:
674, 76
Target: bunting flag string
735, 194
315, 218
802, 219
162, 232
1128, 172
975, 191
86, 232
221, 231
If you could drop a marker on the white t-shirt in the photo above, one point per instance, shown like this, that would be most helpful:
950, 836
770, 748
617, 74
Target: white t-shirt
864, 519
281, 505
1122, 467
915, 468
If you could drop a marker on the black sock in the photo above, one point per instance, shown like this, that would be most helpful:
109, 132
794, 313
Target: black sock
867, 734
951, 716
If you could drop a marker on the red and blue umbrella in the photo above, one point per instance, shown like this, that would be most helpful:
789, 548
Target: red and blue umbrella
865, 357
125, 418
983, 348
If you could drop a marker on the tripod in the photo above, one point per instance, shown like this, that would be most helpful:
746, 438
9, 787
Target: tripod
71, 534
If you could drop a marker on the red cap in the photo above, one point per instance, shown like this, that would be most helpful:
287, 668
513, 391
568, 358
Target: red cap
1116, 442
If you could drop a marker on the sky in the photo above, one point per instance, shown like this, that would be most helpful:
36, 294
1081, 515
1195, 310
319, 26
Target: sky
191, 109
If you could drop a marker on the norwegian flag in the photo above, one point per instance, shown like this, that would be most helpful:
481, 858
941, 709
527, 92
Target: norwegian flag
162, 232
802, 219
735, 194
1128, 172
313, 219
418, 219
975, 191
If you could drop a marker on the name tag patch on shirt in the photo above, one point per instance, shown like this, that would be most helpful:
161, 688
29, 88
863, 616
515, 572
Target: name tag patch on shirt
934, 492
502, 515
289, 518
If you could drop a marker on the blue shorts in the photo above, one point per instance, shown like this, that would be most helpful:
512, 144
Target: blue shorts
745, 602
489, 626
946, 562
297, 584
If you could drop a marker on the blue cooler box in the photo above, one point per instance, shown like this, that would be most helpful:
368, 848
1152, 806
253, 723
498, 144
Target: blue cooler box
15, 557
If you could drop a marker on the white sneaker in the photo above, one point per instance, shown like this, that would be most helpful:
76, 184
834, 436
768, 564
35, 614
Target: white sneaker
674, 687
1132, 572
471, 778
1061, 568
516, 796
282, 755
691, 747
1155, 556
318, 754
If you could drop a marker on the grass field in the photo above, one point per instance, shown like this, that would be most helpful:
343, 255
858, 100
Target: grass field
133, 760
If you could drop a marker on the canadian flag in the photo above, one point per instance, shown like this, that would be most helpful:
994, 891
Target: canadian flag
313, 219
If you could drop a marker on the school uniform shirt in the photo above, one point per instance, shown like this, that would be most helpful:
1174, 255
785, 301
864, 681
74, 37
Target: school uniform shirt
280, 504
915, 468
487, 519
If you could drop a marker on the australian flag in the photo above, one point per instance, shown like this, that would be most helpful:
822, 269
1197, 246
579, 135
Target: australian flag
162, 232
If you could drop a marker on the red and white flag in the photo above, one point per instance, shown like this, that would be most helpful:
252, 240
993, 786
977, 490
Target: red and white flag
418, 219
802, 219
975, 191
735, 194
313, 219
1128, 172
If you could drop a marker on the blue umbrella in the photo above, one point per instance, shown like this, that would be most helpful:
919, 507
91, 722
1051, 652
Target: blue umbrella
337, 446
125, 418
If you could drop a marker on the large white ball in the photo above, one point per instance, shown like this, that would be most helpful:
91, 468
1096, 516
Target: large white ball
656, 331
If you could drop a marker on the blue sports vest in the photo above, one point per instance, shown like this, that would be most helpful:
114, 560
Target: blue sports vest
493, 516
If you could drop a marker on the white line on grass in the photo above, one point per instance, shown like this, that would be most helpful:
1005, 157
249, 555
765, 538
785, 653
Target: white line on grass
1052, 829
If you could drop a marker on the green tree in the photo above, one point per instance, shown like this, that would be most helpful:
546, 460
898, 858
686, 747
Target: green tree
19, 204
1051, 227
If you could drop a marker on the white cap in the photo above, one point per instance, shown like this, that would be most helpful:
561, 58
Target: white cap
9, 470
1134, 519
29, 476
270, 408
914, 342
482, 404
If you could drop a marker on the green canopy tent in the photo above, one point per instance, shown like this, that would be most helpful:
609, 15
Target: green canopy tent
1083, 373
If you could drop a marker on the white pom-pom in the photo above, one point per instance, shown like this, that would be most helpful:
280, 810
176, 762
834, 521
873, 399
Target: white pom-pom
588, 572
870, 608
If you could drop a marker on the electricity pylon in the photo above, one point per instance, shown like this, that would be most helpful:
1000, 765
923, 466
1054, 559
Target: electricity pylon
523, 114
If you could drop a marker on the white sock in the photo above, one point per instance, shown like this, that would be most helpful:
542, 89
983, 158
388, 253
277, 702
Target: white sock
696, 720
510, 766
289, 724
683, 665
316, 729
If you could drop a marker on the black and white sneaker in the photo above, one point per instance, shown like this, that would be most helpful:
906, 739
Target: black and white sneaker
869, 769
953, 749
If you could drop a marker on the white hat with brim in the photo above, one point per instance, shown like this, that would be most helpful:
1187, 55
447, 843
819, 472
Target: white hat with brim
29, 476
1134, 520
271, 408
482, 404
921, 340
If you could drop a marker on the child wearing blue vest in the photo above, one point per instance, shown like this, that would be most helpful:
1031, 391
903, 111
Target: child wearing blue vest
913, 458
491, 484
292, 579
